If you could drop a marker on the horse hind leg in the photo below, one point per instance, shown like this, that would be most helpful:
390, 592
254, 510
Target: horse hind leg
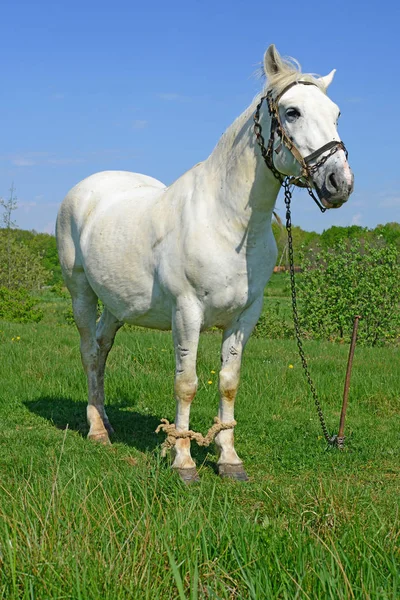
106, 330
84, 306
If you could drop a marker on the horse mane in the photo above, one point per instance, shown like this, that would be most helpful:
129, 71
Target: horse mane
289, 71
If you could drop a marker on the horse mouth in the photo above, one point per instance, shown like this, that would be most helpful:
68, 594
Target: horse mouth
328, 204
334, 198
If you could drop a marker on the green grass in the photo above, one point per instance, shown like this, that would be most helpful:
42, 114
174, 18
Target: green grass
82, 521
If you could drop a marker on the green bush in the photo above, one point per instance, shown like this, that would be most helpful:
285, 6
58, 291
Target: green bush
18, 306
59, 290
272, 324
348, 280
20, 267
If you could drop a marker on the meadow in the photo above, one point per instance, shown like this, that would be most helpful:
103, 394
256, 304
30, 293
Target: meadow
82, 521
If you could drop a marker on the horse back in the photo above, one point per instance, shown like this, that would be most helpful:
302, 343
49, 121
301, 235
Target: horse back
89, 200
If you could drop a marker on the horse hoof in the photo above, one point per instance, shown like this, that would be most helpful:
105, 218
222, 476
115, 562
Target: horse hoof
100, 438
188, 476
108, 427
232, 472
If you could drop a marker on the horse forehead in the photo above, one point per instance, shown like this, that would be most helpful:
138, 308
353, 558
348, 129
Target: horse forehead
308, 97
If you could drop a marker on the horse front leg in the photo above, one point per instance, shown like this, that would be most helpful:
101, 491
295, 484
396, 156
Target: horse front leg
233, 343
186, 330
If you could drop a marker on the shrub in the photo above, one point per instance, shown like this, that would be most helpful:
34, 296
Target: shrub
18, 306
20, 267
347, 280
272, 324
59, 290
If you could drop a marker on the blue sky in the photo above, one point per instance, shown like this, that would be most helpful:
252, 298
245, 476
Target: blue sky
151, 86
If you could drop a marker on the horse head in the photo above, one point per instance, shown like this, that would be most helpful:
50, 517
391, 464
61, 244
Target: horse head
304, 141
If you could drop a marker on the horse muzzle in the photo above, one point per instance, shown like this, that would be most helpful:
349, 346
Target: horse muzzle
336, 186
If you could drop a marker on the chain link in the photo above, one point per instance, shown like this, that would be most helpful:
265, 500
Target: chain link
313, 168
266, 152
288, 196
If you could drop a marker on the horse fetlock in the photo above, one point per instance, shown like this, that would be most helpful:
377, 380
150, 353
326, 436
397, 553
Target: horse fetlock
228, 394
95, 413
108, 427
183, 462
100, 437
181, 455
98, 421
225, 449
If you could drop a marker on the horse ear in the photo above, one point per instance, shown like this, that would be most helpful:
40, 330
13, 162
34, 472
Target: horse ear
272, 61
327, 80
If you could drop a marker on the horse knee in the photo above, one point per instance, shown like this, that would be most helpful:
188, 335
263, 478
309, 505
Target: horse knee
185, 389
228, 383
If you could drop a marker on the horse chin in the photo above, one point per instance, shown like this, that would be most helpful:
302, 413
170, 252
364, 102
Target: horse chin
328, 204
333, 200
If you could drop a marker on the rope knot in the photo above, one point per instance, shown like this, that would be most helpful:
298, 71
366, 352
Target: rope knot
173, 434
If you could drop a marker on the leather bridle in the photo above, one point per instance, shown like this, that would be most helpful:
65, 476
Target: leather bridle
307, 168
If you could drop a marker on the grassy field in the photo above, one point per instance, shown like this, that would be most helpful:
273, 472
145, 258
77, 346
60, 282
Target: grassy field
82, 521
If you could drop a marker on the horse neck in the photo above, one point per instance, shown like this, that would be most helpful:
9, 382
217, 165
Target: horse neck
244, 187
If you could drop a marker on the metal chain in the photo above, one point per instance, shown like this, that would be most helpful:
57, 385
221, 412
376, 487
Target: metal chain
266, 152
288, 196
313, 168
287, 182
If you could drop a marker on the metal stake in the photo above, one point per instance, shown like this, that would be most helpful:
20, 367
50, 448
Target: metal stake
340, 436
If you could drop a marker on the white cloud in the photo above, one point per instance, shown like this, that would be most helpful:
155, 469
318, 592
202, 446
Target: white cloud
28, 204
390, 202
64, 161
21, 161
30, 159
356, 219
140, 124
174, 97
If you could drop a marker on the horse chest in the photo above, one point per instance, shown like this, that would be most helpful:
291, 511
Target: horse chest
228, 289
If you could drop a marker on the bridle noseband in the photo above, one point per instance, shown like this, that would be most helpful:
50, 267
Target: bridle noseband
307, 169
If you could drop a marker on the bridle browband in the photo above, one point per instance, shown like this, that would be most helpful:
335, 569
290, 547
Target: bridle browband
307, 169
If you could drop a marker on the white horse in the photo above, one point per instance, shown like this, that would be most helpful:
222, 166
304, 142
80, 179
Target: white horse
198, 252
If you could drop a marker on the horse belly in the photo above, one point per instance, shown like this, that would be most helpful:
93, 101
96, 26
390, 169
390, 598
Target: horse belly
129, 288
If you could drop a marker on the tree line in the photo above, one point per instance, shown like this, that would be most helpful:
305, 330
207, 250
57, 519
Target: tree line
29, 259
310, 242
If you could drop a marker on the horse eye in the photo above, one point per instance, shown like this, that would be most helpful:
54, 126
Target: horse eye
292, 114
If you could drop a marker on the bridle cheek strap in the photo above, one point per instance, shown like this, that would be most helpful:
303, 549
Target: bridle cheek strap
307, 169
308, 159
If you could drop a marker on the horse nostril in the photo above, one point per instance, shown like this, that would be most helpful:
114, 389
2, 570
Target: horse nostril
332, 181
